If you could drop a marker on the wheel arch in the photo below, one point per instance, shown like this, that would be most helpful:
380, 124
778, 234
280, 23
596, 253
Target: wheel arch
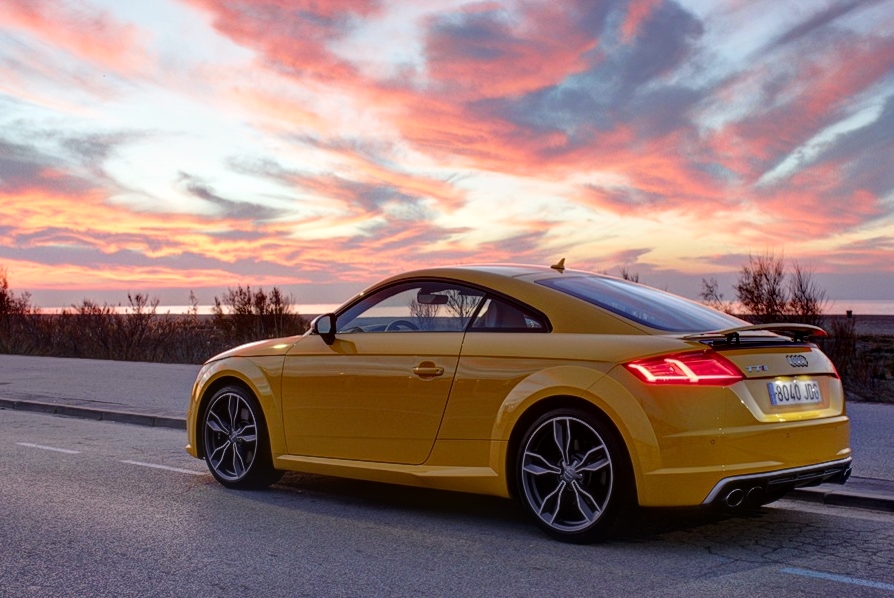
254, 380
552, 403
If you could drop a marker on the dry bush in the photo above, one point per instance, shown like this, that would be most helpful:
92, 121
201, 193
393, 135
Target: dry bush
761, 289
841, 346
768, 294
865, 362
137, 332
807, 302
192, 339
244, 315
18, 320
712, 297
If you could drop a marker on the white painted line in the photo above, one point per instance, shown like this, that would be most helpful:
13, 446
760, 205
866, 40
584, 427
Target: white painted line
840, 578
166, 468
49, 448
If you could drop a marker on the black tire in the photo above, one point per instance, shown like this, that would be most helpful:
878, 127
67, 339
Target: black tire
573, 476
236, 442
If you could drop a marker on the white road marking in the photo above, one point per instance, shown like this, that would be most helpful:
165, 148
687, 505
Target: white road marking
854, 581
49, 448
165, 467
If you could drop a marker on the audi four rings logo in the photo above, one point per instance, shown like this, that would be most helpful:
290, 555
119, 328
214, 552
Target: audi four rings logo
796, 361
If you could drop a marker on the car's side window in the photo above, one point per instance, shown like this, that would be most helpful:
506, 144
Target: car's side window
427, 306
499, 315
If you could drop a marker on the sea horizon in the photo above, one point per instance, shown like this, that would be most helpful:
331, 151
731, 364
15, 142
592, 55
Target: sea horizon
835, 307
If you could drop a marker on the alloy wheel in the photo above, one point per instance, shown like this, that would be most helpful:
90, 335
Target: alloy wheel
566, 474
231, 436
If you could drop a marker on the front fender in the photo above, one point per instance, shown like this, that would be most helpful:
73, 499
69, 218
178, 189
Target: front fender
261, 375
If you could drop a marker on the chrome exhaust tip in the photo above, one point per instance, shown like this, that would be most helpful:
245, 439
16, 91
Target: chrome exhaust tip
754, 495
735, 498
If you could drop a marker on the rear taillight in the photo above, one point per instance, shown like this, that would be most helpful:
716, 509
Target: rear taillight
704, 367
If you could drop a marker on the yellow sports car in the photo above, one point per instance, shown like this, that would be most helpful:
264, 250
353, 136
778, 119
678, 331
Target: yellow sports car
580, 394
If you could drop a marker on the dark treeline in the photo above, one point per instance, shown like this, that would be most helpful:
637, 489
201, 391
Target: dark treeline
137, 332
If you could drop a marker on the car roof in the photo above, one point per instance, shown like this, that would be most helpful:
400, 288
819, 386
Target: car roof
517, 281
523, 271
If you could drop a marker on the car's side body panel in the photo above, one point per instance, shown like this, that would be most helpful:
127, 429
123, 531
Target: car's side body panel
369, 396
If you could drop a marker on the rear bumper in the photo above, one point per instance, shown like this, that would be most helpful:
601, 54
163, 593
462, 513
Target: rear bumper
736, 490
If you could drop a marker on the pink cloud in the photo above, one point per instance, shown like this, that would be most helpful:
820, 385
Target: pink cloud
637, 12
291, 35
90, 34
814, 98
485, 53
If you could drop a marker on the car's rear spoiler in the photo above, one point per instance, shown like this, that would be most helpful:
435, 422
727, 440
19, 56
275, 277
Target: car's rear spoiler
797, 332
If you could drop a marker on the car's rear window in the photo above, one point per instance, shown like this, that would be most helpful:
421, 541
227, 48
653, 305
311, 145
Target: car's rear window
642, 304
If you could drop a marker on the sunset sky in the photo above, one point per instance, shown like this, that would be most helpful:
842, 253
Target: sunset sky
319, 145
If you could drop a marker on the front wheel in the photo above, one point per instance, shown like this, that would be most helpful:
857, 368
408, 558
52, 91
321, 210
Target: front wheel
572, 476
237, 447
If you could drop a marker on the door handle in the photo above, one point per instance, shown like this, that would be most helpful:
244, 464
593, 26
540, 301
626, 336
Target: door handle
427, 369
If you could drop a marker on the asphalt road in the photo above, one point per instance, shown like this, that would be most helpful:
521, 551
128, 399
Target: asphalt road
108, 509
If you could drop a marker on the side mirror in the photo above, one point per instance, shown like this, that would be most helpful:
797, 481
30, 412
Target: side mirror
325, 327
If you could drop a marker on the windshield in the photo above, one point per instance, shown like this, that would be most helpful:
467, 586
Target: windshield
642, 304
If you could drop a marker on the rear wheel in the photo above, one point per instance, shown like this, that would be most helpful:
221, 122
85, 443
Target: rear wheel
237, 446
571, 476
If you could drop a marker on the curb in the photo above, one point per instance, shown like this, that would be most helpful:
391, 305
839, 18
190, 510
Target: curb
123, 417
842, 497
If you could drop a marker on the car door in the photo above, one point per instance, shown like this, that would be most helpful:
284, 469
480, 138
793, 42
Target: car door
378, 391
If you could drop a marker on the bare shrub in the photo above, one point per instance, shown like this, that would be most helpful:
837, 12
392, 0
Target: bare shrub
865, 362
761, 288
712, 297
424, 314
767, 293
243, 315
628, 275
841, 346
191, 338
18, 320
88, 330
806, 300
462, 306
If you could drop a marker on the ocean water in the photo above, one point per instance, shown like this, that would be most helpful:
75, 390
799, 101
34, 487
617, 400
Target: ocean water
861, 307
834, 307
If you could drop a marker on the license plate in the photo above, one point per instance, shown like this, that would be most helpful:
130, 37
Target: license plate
794, 392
